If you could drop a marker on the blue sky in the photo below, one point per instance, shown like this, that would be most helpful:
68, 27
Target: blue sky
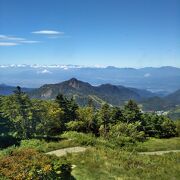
124, 33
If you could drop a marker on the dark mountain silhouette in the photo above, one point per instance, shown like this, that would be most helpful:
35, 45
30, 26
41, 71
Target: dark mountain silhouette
82, 91
112, 94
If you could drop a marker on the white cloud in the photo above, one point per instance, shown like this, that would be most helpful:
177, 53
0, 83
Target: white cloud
45, 71
11, 38
2, 36
29, 42
8, 44
6, 40
48, 32
147, 75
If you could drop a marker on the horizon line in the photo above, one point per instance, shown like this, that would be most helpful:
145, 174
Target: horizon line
21, 65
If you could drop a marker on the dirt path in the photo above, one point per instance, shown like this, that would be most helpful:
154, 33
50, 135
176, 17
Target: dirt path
157, 152
63, 152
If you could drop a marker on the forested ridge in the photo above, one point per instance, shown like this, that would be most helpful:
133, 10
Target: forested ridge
115, 95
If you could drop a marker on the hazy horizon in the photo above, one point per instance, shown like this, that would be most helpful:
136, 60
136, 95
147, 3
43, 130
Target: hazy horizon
37, 65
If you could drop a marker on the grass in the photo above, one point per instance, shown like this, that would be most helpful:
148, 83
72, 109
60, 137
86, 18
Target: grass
104, 163
154, 144
103, 160
40, 145
44, 146
88, 139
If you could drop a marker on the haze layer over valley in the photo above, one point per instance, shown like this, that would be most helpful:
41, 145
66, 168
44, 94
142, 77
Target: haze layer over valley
163, 79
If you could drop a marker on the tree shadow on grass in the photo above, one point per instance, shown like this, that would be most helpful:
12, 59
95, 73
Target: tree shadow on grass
7, 140
49, 138
68, 177
71, 178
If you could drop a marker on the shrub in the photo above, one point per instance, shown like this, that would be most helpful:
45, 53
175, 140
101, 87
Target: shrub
88, 139
34, 144
7, 151
81, 138
30, 164
124, 133
177, 123
168, 129
76, 126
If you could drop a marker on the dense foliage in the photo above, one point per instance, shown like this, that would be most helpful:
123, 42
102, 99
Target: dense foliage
25, 118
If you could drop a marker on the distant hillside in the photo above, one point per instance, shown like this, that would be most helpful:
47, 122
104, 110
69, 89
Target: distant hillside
173, 98
112, 94
82, 91
175, 113
7, 90
162, 103
143, 93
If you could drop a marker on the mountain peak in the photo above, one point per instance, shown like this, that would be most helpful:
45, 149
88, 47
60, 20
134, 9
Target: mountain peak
73, 82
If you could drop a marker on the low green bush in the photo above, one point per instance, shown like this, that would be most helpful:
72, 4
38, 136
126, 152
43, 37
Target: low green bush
43, 146
7, 151
87, 139
81, 138
177, 123
76, 126
123, 134
34, 144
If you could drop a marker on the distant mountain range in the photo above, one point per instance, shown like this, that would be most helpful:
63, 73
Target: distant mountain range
162, 80
82, 92
112, 94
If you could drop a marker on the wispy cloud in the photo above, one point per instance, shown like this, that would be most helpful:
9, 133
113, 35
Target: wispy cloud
45, 71
6, 40
48, 32
147, 75
62, 37
29, 42
11, 38
8, 44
